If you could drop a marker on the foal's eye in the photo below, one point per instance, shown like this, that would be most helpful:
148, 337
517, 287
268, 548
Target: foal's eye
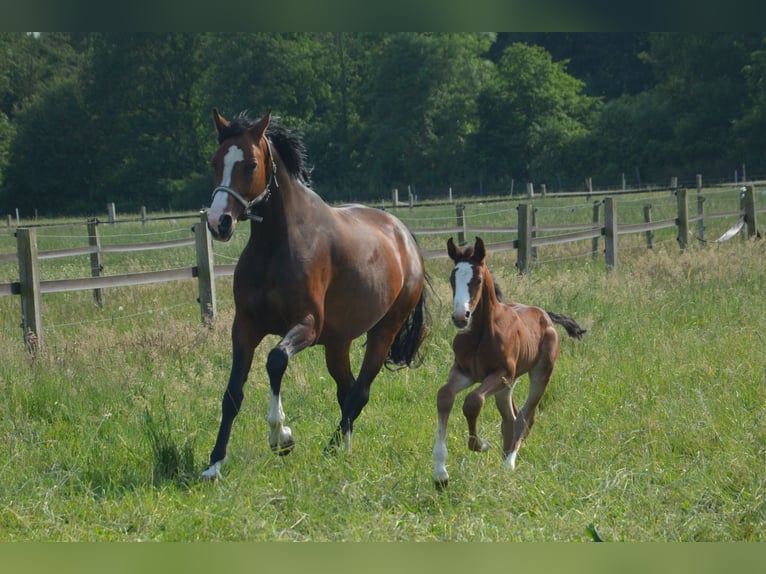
252, 166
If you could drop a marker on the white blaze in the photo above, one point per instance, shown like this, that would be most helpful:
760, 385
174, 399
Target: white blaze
221, 199
463, 276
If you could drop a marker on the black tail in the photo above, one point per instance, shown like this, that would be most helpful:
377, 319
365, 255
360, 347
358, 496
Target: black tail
573, 328
405, 351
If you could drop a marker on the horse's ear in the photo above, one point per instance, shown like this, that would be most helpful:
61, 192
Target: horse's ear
221, 123
479, 251
452, 250
260, 128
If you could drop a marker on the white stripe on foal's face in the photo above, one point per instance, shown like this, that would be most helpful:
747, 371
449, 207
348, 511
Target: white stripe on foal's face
462, 302
221, 199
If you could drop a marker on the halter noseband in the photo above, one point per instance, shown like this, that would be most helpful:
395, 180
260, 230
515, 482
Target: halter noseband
258, 199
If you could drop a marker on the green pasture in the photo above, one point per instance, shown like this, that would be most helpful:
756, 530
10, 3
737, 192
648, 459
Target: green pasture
652, 428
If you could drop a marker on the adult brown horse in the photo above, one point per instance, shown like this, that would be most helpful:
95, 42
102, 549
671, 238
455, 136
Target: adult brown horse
497, 343
310, 273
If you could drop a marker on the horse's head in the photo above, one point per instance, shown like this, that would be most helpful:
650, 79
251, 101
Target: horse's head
467, 280
244, 172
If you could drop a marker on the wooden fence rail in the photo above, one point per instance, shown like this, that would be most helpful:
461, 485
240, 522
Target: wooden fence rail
30, 287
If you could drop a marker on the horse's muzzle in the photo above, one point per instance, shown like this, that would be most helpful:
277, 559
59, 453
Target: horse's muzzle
460, 320
225, 228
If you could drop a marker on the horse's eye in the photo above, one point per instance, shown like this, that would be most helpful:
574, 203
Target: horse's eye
252, 166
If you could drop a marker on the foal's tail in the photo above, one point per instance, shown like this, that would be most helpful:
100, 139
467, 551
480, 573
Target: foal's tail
573, 328
405, 351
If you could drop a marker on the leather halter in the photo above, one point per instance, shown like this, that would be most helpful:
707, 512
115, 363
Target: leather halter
258, 199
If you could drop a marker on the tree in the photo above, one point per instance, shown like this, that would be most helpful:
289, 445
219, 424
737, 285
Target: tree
145, 123
420, 105
531, 116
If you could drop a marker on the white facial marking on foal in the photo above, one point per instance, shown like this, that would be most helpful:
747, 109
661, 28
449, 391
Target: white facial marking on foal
463, 276
233, 155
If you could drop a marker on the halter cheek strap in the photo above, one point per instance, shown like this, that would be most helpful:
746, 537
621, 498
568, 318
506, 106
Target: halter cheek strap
258, 199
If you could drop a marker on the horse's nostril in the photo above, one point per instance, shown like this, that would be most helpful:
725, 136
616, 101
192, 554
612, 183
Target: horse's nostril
224, 224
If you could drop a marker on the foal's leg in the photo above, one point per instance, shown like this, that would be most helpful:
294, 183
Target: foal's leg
473, 404
508, 411
538, 382
244, 341
445, 399
297, 338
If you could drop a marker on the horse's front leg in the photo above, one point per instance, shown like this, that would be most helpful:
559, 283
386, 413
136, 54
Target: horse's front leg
297, 338
473, 404
445, 399
244, 341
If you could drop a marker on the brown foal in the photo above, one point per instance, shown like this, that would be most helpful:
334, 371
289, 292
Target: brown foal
496, 344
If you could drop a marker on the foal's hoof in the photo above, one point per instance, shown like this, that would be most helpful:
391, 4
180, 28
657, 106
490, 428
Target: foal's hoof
477, 444
285, 449
441, 485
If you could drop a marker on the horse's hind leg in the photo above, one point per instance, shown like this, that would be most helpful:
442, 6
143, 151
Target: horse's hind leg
339, 367
297, 338
244, 341
508, 412
538, 383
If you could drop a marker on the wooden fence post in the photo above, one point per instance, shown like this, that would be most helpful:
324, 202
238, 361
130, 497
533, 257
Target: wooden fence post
460, 213
648, 219
524, 250
112, 211
143, 214
700, 220
683, 219
395, 197
596, 221
29, 279
749, 199
610, 233
95, 258
205, 271
533, 234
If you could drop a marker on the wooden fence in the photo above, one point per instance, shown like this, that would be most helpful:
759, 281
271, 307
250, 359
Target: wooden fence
31, 288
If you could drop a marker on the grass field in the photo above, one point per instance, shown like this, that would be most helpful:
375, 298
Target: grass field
652, 428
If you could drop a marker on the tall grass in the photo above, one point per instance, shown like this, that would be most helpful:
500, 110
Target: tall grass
652, 428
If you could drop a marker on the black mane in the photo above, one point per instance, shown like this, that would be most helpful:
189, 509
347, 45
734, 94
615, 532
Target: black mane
288, 144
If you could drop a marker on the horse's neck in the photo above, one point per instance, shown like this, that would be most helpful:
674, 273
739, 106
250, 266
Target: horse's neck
291, 205
488, 304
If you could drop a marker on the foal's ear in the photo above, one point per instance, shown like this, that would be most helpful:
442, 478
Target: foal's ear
260, 128
452, 250
220, 122
479, 252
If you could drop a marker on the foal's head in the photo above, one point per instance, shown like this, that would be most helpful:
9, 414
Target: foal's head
244, 171
467, 280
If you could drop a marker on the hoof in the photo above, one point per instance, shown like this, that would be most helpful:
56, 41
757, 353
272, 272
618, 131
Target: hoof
477, 444
441, 485
213, 472
285, 449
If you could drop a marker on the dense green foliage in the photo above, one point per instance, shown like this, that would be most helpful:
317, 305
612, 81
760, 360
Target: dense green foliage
90, 118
